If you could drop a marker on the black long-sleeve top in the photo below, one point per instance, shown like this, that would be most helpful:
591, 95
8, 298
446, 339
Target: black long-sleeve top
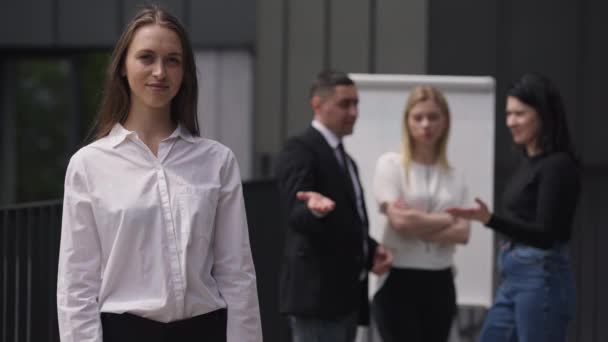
540, 201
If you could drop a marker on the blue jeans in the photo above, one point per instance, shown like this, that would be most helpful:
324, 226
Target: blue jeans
308, 329
535, 301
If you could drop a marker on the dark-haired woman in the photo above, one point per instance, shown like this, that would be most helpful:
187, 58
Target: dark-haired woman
535, 300
154, 242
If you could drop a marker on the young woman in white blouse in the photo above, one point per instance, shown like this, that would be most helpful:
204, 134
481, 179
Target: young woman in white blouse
417, 301
154, 242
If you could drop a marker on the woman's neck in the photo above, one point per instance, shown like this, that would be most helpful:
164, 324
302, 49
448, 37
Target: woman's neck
151, 126
532, 149
424, 156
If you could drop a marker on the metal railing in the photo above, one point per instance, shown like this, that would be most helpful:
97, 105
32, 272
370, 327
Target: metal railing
29, 244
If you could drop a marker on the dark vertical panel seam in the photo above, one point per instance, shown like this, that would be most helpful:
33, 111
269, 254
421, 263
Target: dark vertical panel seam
76, 103
580, 77
327, 29
18, 266
3, 99
255, 102
579, 273
284, 71
28, 273
580, 99
218, 63
428, 41
4, 235
53, 263
500, 37
371, 67
55, 23
186, 14
120, 16
595, 310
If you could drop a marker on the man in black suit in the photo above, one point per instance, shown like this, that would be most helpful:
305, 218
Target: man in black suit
328, 252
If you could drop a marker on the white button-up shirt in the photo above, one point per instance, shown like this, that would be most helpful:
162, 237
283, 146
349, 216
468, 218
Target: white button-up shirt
163, 237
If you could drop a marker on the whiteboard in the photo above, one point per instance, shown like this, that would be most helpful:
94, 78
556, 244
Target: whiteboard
470, 149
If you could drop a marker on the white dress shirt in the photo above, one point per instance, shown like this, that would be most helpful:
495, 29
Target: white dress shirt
162, 237
429, 188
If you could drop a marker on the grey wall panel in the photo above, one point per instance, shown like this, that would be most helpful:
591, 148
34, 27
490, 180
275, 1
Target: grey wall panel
401, 36
593, 113
175, 7
584, 251
305, 44
27, 23
87, 23
456, 43
8, 138
222, 23
601, 189
269, 90
349, 35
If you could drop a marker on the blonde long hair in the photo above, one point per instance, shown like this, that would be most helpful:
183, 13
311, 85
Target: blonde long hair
420, 94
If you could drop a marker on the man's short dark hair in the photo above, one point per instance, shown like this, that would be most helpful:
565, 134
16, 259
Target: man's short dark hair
327, 80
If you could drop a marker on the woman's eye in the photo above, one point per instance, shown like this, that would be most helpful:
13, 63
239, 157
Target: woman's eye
174, 61
146, 58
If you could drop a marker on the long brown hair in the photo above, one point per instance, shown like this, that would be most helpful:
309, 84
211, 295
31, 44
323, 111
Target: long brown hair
417, 95
116, 100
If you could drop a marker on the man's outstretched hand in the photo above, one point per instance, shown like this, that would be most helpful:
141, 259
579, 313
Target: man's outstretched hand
316, 202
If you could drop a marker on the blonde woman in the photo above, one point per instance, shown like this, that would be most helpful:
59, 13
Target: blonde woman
417, 301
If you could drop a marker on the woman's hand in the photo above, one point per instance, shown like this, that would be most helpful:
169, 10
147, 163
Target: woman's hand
479, 213
396, 214
383, 259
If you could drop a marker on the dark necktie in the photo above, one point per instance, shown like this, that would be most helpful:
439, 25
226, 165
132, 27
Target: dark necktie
344, 160
345, 168
359, 206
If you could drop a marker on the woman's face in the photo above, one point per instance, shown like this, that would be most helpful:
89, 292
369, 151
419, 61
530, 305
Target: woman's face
523, 121
427, 124
154, 67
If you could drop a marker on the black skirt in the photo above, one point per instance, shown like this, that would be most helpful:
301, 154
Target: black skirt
209, 327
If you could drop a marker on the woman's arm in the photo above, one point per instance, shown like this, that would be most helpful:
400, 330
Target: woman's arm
458, 232
388, 192
79, 269
233, 267
556, 200
415, 222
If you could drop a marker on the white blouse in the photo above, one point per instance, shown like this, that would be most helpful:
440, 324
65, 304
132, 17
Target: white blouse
429, 188
164, 237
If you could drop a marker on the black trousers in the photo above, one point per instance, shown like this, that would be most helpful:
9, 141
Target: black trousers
210, 327
415, 305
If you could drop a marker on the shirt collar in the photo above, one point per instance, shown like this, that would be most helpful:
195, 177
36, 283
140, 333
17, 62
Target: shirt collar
331, 138
118, 134
183, 133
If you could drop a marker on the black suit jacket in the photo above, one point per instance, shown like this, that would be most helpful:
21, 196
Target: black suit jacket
323, 257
